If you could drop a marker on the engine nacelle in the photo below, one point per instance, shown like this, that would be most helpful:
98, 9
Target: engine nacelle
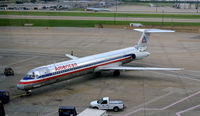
139, 55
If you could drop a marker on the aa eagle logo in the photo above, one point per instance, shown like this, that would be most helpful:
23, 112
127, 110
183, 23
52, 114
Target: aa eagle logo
144, 40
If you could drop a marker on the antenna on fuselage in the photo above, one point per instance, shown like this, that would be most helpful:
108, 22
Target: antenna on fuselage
72, 53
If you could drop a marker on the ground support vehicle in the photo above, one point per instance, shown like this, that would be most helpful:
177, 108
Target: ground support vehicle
106, 104
2, 112
67, 111
4, 96
8, 71
93, 112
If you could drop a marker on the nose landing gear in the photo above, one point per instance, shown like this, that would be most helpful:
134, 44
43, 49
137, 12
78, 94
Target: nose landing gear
28, 92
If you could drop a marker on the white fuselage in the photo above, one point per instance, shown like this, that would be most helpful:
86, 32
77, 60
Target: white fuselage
52, 73
112, 60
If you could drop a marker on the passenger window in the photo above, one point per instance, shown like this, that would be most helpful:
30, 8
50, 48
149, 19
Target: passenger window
104, 102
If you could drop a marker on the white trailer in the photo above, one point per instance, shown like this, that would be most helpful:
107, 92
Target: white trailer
93, 112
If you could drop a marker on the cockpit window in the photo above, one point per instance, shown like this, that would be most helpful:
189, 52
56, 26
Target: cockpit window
32, 75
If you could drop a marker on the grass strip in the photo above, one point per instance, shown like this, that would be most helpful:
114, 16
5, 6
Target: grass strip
83, 23
91, 14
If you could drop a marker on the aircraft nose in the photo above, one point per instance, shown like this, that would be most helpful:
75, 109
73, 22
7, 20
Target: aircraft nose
20, 86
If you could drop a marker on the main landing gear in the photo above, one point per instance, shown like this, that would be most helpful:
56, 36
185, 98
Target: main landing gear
116, 73
97, 74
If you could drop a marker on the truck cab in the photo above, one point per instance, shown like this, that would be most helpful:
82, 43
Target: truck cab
4, 96
107, 104
103, 103
67, 111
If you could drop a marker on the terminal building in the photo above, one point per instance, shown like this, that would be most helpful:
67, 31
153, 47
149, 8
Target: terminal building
58, 5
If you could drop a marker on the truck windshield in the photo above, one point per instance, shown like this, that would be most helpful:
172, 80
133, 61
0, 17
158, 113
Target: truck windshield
100, 101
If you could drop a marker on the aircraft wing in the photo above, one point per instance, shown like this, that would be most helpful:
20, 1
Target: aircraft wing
71, 57
139, 68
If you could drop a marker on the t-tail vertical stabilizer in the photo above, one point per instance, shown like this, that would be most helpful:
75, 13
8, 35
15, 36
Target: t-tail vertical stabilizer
142, 43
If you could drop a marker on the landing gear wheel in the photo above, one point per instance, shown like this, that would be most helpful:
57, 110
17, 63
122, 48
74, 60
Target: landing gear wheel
28, 92
116, 73
97, 74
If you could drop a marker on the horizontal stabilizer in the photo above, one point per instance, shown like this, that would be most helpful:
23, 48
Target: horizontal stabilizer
71, 57
142, 43
140, 68
153, 30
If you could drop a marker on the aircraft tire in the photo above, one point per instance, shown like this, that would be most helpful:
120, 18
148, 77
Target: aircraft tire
97, 74
28, 92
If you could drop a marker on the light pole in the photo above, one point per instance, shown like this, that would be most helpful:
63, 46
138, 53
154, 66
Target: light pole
197, 6
115, 12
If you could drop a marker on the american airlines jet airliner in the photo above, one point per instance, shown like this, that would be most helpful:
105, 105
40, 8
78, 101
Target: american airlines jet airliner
113, 60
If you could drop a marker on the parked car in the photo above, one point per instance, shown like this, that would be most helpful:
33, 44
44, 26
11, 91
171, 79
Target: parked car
67, 111
4, 96
8, 71
106, 104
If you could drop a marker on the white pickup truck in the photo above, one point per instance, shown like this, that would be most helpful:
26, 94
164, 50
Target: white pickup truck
106, 104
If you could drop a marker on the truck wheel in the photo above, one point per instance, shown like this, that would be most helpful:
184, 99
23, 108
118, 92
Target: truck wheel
116, 109
95, 107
